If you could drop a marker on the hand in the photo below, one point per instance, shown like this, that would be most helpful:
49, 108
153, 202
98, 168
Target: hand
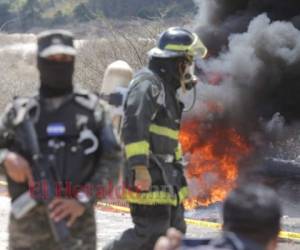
63, 208
175, 238
143, 179
170, 242
18, 169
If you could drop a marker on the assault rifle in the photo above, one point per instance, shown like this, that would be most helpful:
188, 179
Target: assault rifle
25, 133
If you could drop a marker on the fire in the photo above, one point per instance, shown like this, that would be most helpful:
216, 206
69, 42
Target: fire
213, 154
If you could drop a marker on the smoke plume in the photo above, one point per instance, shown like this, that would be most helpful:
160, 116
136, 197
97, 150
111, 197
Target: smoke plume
248, 105
257, 70
217, 19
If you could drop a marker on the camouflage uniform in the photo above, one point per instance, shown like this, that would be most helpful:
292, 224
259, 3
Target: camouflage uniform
77, 145
103, 165
37, 224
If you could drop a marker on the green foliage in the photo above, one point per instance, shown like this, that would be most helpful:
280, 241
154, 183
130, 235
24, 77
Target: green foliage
59, 18
17, 5
83, 14
143, 8
30, 13
4, 12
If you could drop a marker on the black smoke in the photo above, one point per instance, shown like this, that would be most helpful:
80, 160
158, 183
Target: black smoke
255, 49
251, 83
220, 18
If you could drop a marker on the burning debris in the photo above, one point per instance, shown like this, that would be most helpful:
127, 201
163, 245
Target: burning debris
250, 102
213, 165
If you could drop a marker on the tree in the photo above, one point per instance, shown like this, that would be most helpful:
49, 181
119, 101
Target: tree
141, 8
5, 15
82, 13
31, 14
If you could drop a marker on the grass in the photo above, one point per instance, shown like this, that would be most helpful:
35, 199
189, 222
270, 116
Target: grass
18, 69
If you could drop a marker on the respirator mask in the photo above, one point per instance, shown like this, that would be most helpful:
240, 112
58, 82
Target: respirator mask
188, 79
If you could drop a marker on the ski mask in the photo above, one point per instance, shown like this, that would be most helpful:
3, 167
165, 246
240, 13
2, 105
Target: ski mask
56, 77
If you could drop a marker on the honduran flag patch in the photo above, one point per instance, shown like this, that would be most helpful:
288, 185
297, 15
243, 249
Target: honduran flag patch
56, 129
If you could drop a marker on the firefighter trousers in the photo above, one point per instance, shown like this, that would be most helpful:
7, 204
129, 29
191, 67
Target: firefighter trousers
150, 222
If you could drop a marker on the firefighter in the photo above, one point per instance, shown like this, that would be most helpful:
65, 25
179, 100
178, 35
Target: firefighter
114, 89
155, 183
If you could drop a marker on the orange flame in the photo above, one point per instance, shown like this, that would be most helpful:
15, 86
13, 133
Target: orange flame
213, 155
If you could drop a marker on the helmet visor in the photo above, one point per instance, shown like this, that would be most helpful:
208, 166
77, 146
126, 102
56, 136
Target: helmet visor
197, 48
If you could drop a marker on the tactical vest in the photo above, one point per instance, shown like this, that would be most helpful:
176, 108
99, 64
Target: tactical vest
69, 139
62, 136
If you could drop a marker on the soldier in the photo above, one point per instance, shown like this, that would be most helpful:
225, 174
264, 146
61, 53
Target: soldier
77, 142
155, 183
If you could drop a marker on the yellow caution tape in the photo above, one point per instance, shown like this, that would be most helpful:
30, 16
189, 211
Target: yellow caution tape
205, 224
119, 208
208, 224
289, 235
199, 223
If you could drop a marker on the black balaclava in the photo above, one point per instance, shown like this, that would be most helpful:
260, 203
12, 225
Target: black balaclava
168, 70
56, 77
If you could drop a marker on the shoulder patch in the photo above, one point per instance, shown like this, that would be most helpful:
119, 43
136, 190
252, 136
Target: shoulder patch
161, 100
20, 106
21, 101
154, 90
87, 100
157, 87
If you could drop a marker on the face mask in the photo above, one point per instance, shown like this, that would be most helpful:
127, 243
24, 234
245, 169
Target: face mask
56, 77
